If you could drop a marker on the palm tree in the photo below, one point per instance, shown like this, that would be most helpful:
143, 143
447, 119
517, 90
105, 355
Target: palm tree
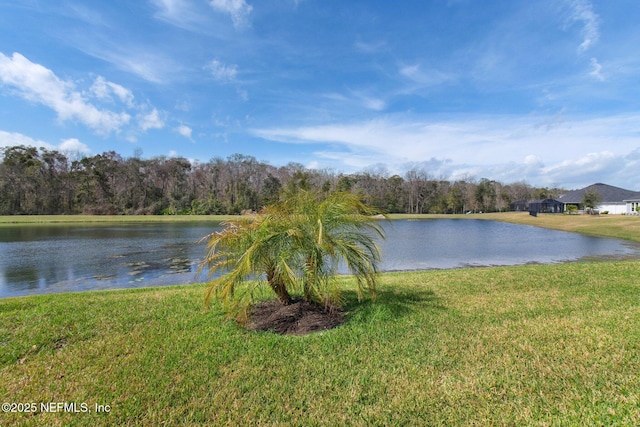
338, 228
297, 245
244, 250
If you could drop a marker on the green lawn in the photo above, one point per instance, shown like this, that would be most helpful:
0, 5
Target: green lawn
526, 345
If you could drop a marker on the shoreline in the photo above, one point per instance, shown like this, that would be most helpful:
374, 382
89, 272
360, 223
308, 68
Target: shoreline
623, 227
382, 274
607, 226
19, 220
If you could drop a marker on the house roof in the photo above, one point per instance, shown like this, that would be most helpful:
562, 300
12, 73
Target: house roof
548, 201
608, 194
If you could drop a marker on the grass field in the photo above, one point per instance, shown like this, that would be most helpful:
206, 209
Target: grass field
527, 345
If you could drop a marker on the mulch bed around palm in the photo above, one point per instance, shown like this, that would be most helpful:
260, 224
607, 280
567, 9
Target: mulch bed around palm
298, 318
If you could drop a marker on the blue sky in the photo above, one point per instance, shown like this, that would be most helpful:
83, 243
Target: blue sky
546, 92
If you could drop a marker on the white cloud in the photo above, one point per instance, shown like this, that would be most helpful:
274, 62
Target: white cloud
374, 104
582, 11
370, 47
359, 98
183, 106
532, 160
169, 8
410, 71
591, 162
86, 14
335, 96
73, 145
604, 166
367, 101
151, 120
222, 72
10, 139
490, 138
36, 83
122, 93
596, 69
349, 161
176, 12
67, 146
149, 64
424, 77
100, 89
243, 94
396, 138
238, 9
184, 131
104, 90
551, 154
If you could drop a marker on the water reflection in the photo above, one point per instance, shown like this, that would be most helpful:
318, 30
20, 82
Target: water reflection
42, 259
65, 258
434, 244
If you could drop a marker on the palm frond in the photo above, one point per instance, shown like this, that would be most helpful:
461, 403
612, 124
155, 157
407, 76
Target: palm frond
297, 244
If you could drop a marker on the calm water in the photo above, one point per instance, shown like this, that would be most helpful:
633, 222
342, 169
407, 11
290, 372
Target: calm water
41, 259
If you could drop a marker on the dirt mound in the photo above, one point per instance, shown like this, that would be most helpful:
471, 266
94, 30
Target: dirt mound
297, 318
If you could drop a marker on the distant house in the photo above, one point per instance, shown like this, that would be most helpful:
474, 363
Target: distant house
614, 200
519, 206
545, 206
633, 206
537, 206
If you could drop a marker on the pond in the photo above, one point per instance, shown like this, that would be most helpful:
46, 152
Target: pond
59, 258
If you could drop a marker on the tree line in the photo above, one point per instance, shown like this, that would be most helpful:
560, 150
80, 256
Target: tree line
41, 181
